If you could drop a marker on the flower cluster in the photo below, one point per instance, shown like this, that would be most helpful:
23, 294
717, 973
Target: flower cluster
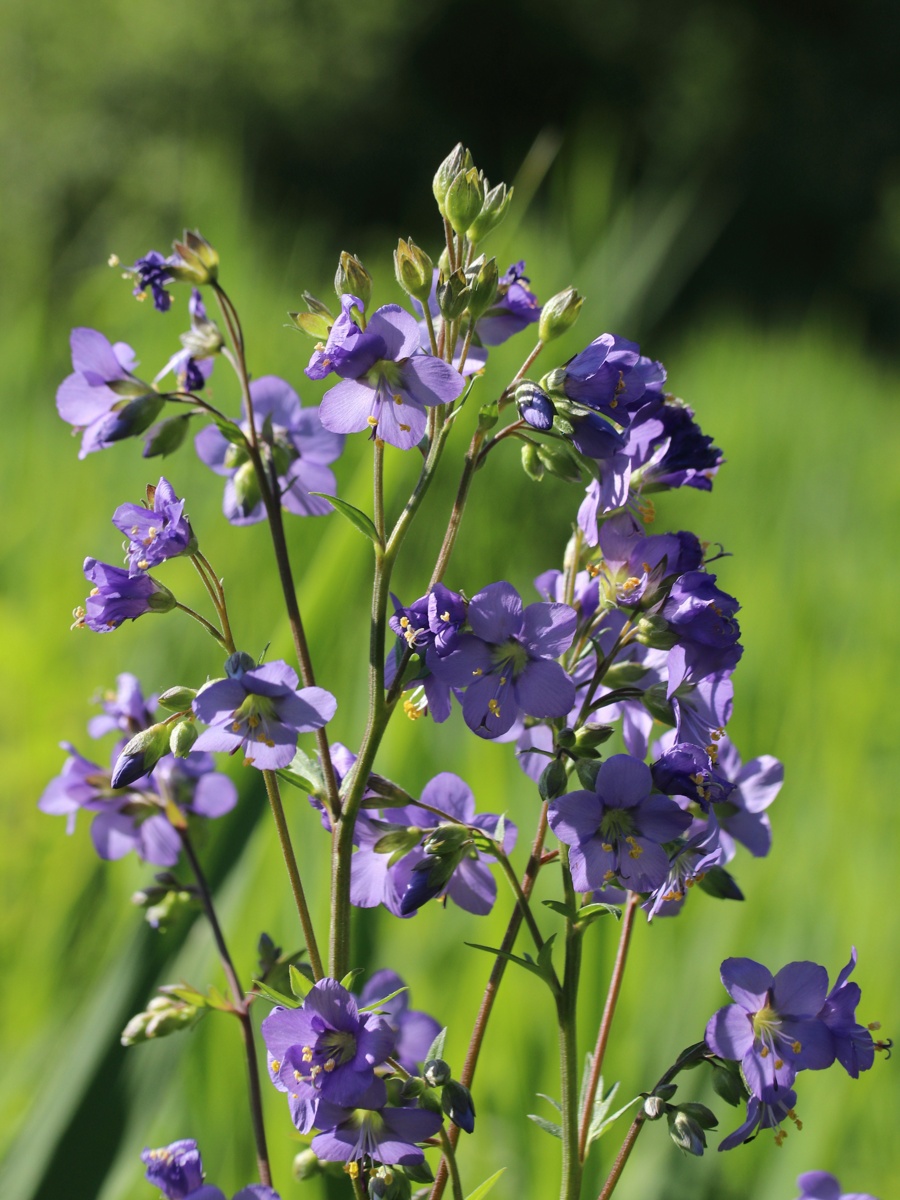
780, 1025
177, 1170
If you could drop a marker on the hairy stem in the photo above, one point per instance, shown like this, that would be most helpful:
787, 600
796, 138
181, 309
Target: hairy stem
290, 861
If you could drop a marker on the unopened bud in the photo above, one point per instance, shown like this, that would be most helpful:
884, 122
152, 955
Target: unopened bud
140, 755
653, 630
305, 1165
493, 210
531, 462
553, 780
464, 199
182, 738
414, 270
199, 260
166, 437
246, 489
177, 699
162, 1016
559, 314
482, 286
352, 279
535, 406
686, 1133
654, 1107
459, 159
453, 295
436, 1072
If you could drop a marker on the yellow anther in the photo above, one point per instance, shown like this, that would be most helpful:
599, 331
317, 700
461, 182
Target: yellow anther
352, 1169
307, 1054
405, 428
478, 671
253, 721
609, 876
796, 1047
276, 1065
874, 1025
298, 1076
404, 622
780, 1136
412, 710
502, 680
696, 778
494, 707
764, 1052
631, 583
373, 421
330, 1064
143, 564
398, 399
236, 726
779, 1063
606, 847
113, 260
445, 616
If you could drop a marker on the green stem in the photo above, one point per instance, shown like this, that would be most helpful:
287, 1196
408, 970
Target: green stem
495, 978
241, 1010
450, 1158
207, 625
378, 489
570, 1185
290, 862
609, 1009
217, 594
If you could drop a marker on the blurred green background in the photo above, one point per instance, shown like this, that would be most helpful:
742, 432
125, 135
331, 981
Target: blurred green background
723, 184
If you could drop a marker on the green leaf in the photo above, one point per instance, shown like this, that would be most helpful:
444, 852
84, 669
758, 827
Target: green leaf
231, 432
347, 981
559, 907
378, 1003
276, 997
601, 1118
184, 991
527, 962
483, 1188
215, 999
590, 911
304, 773
300, 985
556, 1104
547, 1126
436, 1049
357, 519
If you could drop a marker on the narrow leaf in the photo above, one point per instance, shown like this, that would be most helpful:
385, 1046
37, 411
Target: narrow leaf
357, 519
436, 1049
483, 1188
556, 1104
384, 1000
276, 997
347, 981
547, 1126
300, 985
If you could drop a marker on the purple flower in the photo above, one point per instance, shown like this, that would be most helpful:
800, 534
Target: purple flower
638, 569
668, 449
773, 1027
176, 1169
854, 1047
515, 308
261, 710
118, 596
156, 533
687, 866
819, 1185
385, 1135
585, 593
615, 833
153, 272
386, 380
414, 1031
299, 448
703, 619
506, 664
684, 769
742, 816
446, 864
763, 1114
193, 364
703, 707
612, 377
125, 709
327, 1050
101, 396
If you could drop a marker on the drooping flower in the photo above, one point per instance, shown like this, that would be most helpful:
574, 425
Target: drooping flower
764, 1114
157, 532
506, 663
261, 710
515, 308
124, 709
615, 833
742, 815
299, 447
430, 627
668, 449
102, 397
414, 1030
612, 377
854, 1047
193, 364
702, 617
118, 596
387, 381
773, 1028
153, 273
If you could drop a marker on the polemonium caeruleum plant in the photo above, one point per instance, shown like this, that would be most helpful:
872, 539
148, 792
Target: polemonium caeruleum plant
629, 638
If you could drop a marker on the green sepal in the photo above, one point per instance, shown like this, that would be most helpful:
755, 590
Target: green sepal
229, 430
185, 992
720, 883
704, 1116
166, 437
657, 705
315, 325
728, 1084
357, 519
303, 773
347, 981
276, 997
176, 699
436, 1049
301, 985
587, 770
559, 461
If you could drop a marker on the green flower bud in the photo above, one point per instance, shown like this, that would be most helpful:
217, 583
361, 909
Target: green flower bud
452, 295
162, 600
654, 1108
558, 460
177, 699
246, 487
235, 456
162, 1016
686, 1133
590, 736
305, 1165
559, 314
313, 324
553, 780
488, 416
414, 270
141, 754
654, 630
482, 286
552, 383
436, 1072
182, 738
658, 705
166, 437
531, 462
495, 207
459, 159
447, 841
200, 262
352, 279
464, 199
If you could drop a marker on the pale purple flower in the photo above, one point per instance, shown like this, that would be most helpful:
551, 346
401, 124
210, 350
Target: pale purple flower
414, 1030
763, 1114
299, 447
193, 364
820, 1185
102, 397
387, 382
384, 1135
742, 815
125, 709
156, 533
176, 1169
118, 596
260, 710
506, 663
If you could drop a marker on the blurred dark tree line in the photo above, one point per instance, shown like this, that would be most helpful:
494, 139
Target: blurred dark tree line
784, 114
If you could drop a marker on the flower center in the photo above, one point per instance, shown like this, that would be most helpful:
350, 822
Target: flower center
616, 823
511, 654
254, 712
337, 1046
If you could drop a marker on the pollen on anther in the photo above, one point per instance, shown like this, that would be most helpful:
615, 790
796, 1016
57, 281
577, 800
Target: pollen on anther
373, 421
796, 1047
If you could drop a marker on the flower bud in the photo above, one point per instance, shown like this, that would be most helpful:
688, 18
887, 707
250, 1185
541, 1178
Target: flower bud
182, 738
464, 199
482, 286
436, 1072
493, 210
453, 295
459, 159
457, 1103
414, 270
531, 462
553, 780
559, 314
177, 699
558, 460
590, 736
140, 755
686, 1133
654, 1107
653, 630
553, 382
352, 279
488, 416
412, 1088
534, 405
199, 261
166, 437
129, 418
162, 1016
238, 663
246, 488
305, 1165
